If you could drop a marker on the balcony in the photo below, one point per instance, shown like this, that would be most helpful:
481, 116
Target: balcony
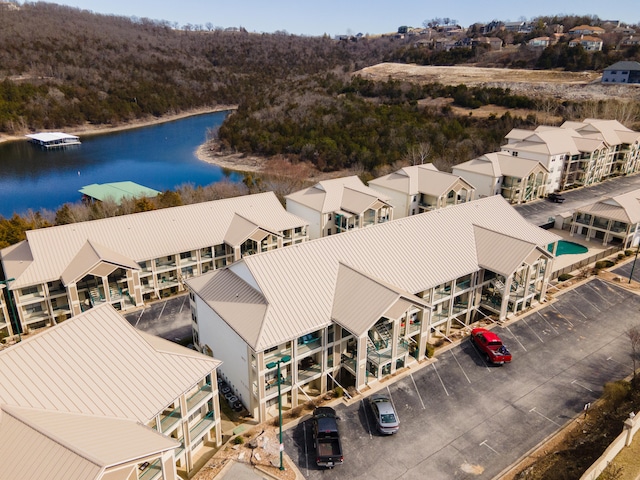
199, 397
272, 383
307, 343
202, 427
308, 368
150, 471
169, 418
276, 355
165, 265
167, 282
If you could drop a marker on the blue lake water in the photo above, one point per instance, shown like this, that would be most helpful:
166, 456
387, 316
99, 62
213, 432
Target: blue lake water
160, 156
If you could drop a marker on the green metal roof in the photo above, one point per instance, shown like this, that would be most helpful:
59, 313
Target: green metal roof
117, 191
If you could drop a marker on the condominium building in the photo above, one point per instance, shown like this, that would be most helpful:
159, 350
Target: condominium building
517, 179
94, 398
421, 188
613, 221
578, 153
125, 261
351, 309
338, 205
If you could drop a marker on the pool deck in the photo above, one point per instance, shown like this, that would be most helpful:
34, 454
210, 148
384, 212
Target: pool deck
565, 260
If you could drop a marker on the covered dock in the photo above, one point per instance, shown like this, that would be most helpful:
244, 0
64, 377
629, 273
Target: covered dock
116, 191
53, 139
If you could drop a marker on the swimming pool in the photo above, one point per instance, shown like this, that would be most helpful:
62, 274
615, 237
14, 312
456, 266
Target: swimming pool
568, 248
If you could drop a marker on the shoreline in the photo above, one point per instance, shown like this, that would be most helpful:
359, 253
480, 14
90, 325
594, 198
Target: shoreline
237, 162
90, 130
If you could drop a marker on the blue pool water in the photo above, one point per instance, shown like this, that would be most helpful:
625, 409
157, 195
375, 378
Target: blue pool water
569, 248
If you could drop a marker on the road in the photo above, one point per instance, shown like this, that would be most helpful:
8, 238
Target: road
461, 418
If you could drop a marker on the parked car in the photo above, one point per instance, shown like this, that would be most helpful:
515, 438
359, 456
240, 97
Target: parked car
555, 197
386, 417
490, 344
326, 437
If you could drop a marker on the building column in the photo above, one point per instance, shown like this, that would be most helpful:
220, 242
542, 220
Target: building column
74, 299
504, 305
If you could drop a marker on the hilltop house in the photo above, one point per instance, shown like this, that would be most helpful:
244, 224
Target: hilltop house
517, 179
586, 30
338, 205
128, 260
578, 153
589, 43
94, 398
420, 188
622, 72
353, 308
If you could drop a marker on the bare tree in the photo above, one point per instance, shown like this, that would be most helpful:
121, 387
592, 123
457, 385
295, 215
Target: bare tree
633, 334
419, 154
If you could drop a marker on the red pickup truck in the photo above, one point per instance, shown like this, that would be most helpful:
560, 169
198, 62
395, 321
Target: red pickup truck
491, 346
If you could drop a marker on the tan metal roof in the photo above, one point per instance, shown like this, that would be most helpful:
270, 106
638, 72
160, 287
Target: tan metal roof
47, 252
622, 208
90, 256
486, 164
297, 285
84, 444
416, 179
501, 253
439, 183
97, 364
518, 167
360, 300
35, 455
335, 194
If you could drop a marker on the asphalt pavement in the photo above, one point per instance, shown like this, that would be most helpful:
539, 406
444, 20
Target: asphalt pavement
461, 418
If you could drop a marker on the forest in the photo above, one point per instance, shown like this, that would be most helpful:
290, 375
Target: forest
299, 100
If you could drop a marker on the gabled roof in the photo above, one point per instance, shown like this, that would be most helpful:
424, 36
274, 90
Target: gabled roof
417, 179
97, 364
622, 208
503, 254
141, 236
72, 446
361, 300
517, 167
611, 132
624, 65
486, 164
292, 291
348, 193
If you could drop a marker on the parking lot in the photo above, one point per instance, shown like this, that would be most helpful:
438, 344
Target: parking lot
461, 418
169, 319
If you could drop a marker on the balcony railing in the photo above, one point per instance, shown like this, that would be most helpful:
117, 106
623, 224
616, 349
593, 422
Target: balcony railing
170, 419
198, 397
201, 427
151, 471
312, 371
165, 265
276, 355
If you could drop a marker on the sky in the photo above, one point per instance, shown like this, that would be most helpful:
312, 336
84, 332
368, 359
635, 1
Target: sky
315, 17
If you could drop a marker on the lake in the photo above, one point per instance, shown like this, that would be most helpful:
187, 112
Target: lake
160, 156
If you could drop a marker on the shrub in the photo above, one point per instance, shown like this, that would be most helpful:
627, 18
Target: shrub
564, 277
628, 252
295, 412
431, 350
616, 392
604, 264
238, 440
620, 256
338, 391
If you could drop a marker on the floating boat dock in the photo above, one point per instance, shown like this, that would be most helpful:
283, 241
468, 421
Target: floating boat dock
53, 139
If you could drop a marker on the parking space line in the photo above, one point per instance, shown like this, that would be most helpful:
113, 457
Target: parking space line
364, 411
546, 418
489, 447
184, 299
440, 378
417, 391
462, 369
562, 316
392, 402
580, 385
592, 304
139, 317
306, 448
161, 311
533, 329
599, 295
548, 323
517, 339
